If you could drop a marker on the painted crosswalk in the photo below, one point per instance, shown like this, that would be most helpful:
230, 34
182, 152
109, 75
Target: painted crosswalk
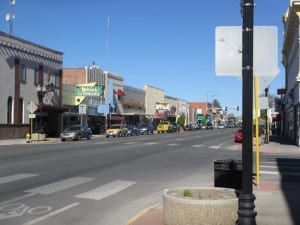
59, 186
97, 193
106, 190
16, 177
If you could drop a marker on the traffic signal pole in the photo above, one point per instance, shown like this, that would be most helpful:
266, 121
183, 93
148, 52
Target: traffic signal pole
246, 213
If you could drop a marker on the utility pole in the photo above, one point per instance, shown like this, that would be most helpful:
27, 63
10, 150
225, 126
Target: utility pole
10, 16
246, 213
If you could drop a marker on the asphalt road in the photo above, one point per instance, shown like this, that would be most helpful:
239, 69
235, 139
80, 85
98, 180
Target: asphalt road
104, 181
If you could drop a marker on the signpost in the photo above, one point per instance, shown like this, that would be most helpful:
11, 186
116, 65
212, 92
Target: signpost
82, 111
31, 107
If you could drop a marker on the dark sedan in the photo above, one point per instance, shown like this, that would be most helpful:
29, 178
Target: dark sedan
146, 128
76, 132
175, 127
133, 130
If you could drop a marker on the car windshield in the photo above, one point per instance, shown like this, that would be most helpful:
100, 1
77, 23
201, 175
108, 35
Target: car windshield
164, 122
115, 126
73, 128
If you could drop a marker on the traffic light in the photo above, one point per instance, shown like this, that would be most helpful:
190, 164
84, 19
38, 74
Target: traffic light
237, 108
226, 108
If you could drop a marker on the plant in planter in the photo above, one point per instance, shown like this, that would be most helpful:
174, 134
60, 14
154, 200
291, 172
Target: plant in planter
200, 206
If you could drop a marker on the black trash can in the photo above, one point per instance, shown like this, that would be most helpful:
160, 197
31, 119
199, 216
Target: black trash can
228, 173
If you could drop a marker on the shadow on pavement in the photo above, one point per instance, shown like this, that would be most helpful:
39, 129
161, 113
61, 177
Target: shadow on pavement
290, 185
280, 140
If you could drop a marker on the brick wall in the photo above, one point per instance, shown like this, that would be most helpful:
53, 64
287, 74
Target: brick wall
74, 76
11, 131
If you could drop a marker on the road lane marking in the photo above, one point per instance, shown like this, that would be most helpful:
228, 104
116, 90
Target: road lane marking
269, 172
59, 186
214, 146
37, 220
130, 143
172, 144
280, 173
150, 143
197, 146
16, 177
106, 190
18, 198
102, 142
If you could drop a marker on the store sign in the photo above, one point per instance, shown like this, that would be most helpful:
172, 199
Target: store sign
89, 91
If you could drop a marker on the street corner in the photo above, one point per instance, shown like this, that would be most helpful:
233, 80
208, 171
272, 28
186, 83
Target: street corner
148, 216
47, 141
267, 186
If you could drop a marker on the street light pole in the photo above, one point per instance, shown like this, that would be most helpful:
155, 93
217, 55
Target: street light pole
246, 213
41, 90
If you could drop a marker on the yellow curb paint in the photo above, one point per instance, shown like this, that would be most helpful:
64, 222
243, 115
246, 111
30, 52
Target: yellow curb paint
140, 214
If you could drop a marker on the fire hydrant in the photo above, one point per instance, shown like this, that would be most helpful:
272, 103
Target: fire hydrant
28, 138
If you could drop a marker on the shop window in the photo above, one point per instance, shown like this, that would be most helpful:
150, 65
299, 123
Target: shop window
36, 77
9, 110
56, 80
20, 113
23, 74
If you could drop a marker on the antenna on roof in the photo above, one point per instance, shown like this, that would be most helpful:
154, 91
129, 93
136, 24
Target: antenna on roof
10, 16
107, 42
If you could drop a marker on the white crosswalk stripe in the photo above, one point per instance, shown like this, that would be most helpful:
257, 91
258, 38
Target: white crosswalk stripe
106, 190
214, 147
16, 177
59, 186
130, 143
150, 143
197, 146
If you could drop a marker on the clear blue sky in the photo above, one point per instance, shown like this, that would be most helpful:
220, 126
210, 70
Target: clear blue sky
169, 44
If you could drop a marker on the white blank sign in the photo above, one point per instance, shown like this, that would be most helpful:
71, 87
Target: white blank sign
228, 51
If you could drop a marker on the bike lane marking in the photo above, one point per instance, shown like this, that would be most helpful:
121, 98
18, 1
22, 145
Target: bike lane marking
17, 199
37, 220
18, 209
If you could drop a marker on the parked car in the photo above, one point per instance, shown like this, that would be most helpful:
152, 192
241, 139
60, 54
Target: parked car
133, 130
76, 132
146, 128
238, 136
117, 130
175, 127
221, 125
209, 125
164, 127
187, 127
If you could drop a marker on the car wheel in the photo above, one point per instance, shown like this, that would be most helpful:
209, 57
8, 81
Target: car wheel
89, 137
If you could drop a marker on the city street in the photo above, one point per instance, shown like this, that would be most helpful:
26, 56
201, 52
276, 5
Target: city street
109, 180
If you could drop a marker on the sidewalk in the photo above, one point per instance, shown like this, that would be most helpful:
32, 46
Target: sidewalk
23, 140
276, 202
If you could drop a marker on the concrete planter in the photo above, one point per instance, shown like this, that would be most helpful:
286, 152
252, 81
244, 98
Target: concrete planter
207, 206
38, 137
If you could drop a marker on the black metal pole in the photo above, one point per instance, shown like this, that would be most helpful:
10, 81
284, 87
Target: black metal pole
267, 122
40, 97
246, 213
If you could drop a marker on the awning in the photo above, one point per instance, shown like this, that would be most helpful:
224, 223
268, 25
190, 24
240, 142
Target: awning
52, 108
119, 92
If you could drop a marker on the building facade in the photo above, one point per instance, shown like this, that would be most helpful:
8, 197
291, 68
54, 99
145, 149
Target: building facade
93, 97
30, 73
290, 99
